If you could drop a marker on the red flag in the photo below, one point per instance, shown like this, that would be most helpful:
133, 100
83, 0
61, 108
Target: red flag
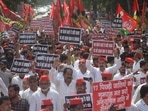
135, 6
67, 19
143, 12
127, 22
81, 6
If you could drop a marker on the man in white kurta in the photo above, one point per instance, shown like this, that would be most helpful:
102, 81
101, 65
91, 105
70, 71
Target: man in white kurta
44, 93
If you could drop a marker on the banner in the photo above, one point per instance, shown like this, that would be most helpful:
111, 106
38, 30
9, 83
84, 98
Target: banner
44, 61
20, 66
86, 98
70, 35
39, 48
27, 38
118, 92
102, 47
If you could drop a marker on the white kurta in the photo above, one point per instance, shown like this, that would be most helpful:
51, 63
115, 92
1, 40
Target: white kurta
136, 65
38, 96
27, 94
140, 78
141, 105
97, 73
62, 87
118, 76
17, 80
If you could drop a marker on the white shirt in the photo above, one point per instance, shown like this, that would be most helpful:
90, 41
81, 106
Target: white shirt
88, 75
27, 94
136, 96
17, 80
97, 72
132, 108
38, 96
136, 65
118, 76
140, 78
3, 88
62, 87
141, 105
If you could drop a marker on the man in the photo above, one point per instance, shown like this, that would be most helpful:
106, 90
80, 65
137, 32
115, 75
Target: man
140, 76
44, 93
137, 58
33, 87
122, 72
102, 63
66, 86
76, 104
136, 96
47, 104
17, 104
142, 104
5, 103
80, 86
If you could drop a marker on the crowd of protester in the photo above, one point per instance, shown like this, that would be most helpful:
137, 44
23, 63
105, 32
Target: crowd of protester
72, 73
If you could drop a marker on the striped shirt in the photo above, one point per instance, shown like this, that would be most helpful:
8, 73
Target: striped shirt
141, 105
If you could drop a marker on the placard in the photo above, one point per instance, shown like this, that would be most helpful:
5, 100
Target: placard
44, 61
117, 23
118, 92
86, 98
20, 66
101, 47
39, 48
70, 35
27, 38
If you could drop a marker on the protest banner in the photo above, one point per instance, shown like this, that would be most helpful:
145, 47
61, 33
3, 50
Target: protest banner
102, 47
35, 24
20, 66
118, 92
39, 48
70, 35
44, 61
117, 23
27, 38
86, 98
47, 25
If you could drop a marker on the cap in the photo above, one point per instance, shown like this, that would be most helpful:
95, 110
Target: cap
58, 51
47, 102
44, 78
46, 109
129, 60
107, 74
75, 101
79, 81
102, 59
131, 39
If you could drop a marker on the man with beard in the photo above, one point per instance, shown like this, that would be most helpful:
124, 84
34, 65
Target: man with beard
17, 104
80, 86
44, 93
122, 72
5, 103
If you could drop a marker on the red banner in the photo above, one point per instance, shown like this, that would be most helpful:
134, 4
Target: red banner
118, 92
101, 47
